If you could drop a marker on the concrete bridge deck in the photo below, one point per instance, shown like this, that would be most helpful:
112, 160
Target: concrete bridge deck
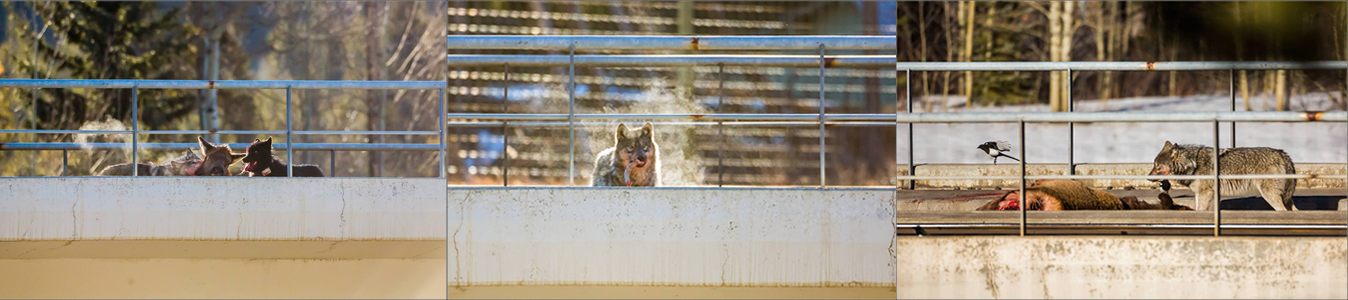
413, 238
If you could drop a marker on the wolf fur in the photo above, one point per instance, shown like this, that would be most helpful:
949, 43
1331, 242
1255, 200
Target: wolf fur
259, 161
1166, 203
634, 149
185, 165
1176, 159
215, 159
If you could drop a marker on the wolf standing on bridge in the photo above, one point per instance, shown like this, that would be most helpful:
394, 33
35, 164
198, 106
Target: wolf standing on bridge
1176, 159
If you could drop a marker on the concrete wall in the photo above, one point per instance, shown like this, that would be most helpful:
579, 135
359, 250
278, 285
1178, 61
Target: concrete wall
85, 208
1122, 267
671, 236
222, 238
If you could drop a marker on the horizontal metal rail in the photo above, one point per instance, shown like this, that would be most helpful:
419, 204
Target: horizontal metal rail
647, 42
237, 146
220, 84
658, 123
781, 61
1082, 117
1126, 177
1122, 66
310, 132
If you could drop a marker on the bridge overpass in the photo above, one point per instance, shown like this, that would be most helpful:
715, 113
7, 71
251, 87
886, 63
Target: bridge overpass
412, 238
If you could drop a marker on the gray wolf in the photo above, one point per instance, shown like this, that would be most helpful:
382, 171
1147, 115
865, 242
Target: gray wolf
1176, 159
216, 159
185, 165
634, 159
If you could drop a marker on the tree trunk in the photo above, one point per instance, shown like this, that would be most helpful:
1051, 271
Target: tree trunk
949, 53
922, 36
1280, 90
1055, 46
1269, 83
1101, 45
373, 97
969, 54
685, 22
1240, 56
1245, 89
991, 37
1068, 31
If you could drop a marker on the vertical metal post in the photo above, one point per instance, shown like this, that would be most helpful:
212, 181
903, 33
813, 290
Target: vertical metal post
65, 156
135, 130
290, 142
571, 118
1071, 130
908, 91
1023, 207
505, 129
1216, 179
1232, 85
720, 126
822, 151
442, 132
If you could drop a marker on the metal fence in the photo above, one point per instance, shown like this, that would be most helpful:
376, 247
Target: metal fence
822, 44
288, 85
823, 61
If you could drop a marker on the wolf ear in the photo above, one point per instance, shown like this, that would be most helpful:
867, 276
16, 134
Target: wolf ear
235, 157
1168, 145
622, 128
647, 128
205, 146
268, 140
255, 140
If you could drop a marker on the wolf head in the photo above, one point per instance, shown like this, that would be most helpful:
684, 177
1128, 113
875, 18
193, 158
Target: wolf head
185, 165
217, 159
258, 156
635, 147
1173, 160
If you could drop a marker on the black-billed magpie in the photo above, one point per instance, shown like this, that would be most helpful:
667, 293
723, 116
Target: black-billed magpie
997, 149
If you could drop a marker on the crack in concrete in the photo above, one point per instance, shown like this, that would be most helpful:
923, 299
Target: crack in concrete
458, 264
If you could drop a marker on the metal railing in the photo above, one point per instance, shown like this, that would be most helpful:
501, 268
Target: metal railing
823, 61
1071, 117
683, 43
287, 85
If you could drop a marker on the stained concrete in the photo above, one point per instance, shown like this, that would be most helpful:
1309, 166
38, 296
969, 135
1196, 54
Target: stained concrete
1122, 267
671, 236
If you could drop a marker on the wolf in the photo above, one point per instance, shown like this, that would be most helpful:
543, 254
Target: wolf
185, 165
216, 159
634, 159
1167, 203
1176, 159
258, 160
1057, 195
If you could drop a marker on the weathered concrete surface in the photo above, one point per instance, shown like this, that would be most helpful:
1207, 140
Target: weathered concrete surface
92, 237
1013, 169
222, 278
236, 208
671, 237
1122, 267
224, 249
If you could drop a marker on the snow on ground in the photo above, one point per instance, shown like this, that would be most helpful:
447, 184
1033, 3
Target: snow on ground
1128, 142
